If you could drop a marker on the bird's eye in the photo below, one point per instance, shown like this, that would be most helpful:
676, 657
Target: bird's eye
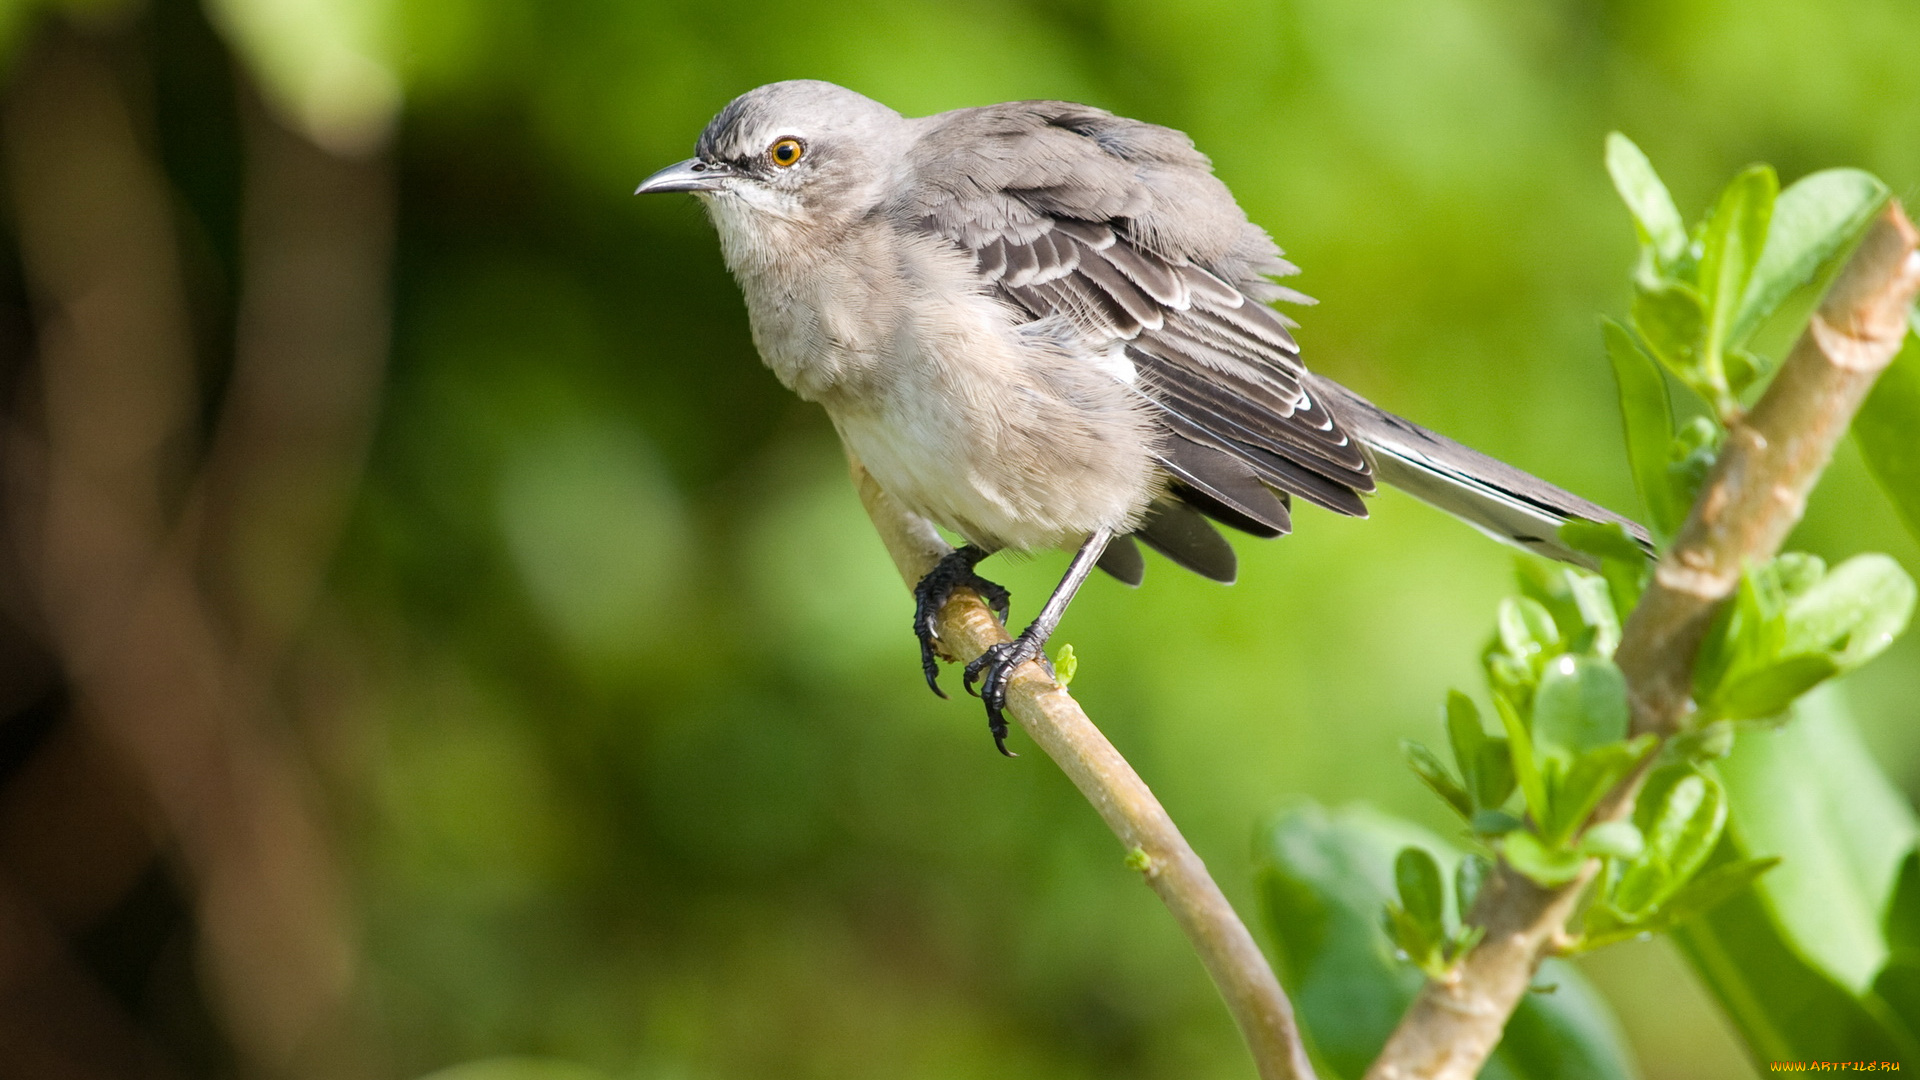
786, 153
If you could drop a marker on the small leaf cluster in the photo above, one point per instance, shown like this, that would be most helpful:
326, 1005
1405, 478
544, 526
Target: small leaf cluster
1653, 882
1561, 705
1701, 294
1794, 624
1417, 923
1323, 877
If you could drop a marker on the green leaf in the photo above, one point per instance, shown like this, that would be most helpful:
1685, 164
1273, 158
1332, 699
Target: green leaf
1884, 428
1899, 982
1696, 446
1725, 639
1783, 1008
1428, 767
1672, 319
1581, 704
1473, 871
1646, 412
1526, 629
1810, 792
1813, 221
1681, 812
1552, 586
1792, 625
1417, 877
1065, 665
1464, 733
1854, 611
1713, 888
1421, 945
1610, 543
1526, 765
1744, 369
1594, 600
1793, 573
1510, 680
1606, 926
1745, 643
1581, 787
1493, 775
1615, 839
1770, 690
1495, 822
1543, 865
1735, 236
1323, 880
1606, 539
1484, 761
1709, 742
1654, 216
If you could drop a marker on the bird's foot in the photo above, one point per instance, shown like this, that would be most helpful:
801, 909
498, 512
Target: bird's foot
936, 588
994, 670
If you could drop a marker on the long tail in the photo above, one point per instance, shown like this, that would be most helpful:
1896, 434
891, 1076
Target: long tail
1492, 496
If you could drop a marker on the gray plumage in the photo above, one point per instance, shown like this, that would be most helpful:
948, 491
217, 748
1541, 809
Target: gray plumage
1038, 323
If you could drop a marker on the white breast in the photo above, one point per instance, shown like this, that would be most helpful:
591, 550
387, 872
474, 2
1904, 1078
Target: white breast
1009, 438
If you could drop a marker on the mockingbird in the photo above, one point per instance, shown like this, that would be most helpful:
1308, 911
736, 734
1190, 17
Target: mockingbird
1041, 325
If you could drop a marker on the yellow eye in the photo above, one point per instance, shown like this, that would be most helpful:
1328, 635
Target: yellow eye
786, 153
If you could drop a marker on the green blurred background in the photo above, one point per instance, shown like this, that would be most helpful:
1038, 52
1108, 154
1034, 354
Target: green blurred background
606, 711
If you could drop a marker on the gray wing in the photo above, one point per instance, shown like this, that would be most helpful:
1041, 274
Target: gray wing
1489, 494
1118, 233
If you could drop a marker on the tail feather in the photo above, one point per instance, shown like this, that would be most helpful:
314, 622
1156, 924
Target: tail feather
1492, 496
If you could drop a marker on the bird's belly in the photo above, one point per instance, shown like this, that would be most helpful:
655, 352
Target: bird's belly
1010, 468
1011, 438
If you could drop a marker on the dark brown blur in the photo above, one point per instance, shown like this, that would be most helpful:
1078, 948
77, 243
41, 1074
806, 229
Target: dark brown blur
163, 551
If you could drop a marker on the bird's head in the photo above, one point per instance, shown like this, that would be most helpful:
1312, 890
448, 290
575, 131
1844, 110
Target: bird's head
789, 165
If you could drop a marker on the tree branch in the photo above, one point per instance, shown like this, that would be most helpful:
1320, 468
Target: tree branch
1154, 844
1751, 501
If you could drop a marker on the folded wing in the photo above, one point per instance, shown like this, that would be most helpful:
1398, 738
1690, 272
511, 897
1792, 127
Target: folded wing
1117, 234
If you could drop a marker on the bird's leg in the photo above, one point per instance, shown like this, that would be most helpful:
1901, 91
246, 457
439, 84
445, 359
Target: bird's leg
930, 595
995, 667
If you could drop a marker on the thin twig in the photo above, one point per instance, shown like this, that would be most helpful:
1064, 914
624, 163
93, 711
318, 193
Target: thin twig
1153, 843
1755, 495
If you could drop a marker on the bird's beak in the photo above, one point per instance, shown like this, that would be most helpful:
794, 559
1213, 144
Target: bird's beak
692, 174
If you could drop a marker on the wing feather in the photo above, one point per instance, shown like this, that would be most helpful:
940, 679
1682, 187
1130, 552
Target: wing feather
1119, 230
1228, 490
1177, 531
1122, 560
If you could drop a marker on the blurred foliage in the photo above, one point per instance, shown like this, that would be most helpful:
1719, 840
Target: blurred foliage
1324, 878
1797, 961
621, 722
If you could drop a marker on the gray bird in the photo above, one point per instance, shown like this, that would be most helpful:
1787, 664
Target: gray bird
1041, 325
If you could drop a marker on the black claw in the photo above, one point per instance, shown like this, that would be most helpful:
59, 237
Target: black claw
994, 670
930, 665
931, 594
995, 595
